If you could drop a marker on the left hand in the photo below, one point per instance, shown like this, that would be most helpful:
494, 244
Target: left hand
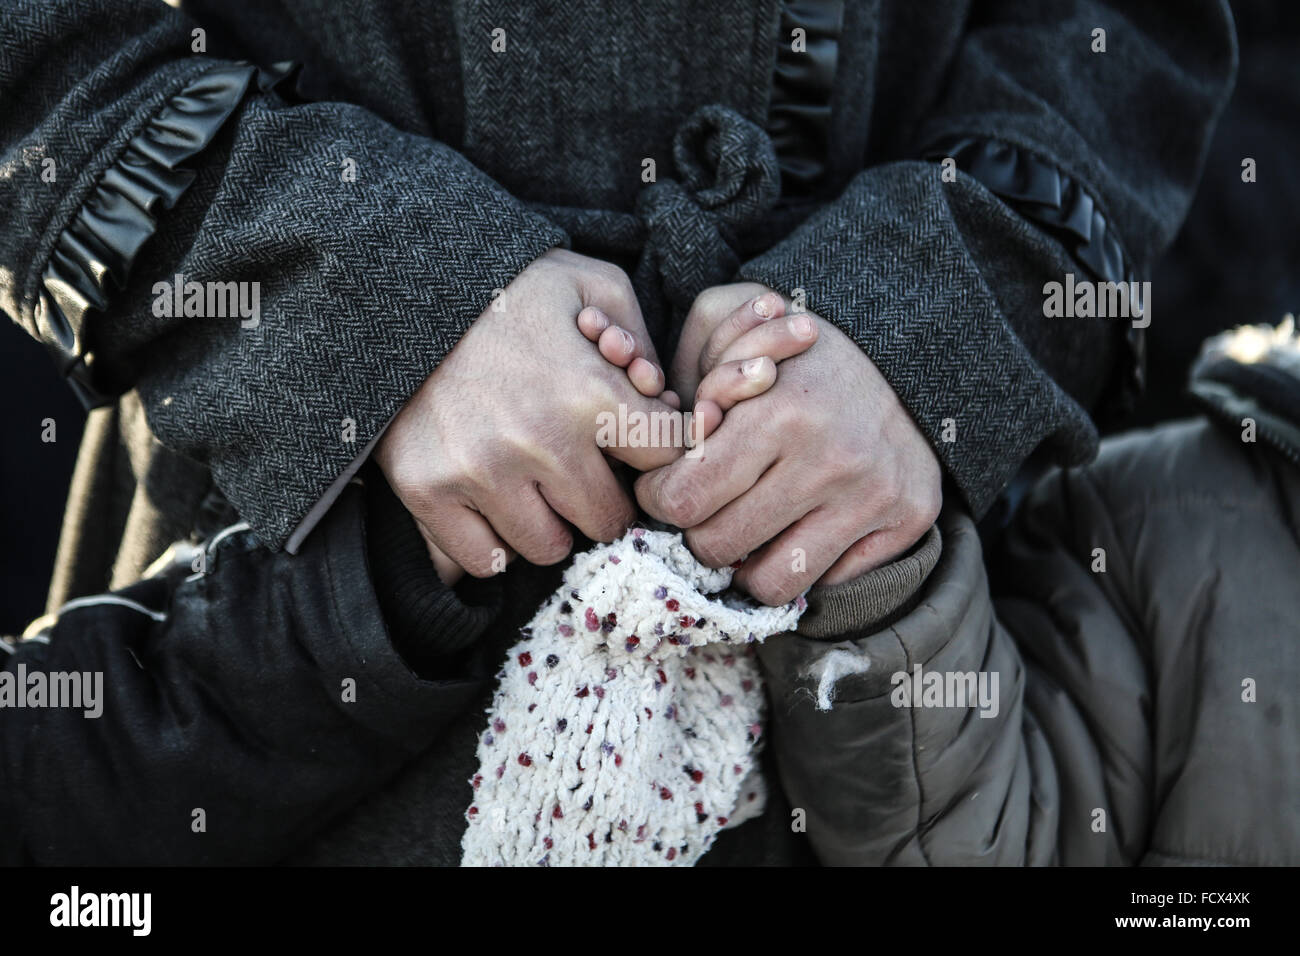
823, 477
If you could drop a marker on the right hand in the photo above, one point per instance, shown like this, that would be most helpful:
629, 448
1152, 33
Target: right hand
497, 449
737, 358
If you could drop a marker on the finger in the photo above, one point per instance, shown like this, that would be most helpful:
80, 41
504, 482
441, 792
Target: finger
589, 496
466, 538
790, 564
734, 382
721, 469
751, 315
866, 554
709, 308
705, 419
619, 304
649, 433
448, 571
776, 340
646, 377
525, 521
619, 346
748, 523
591, 322
671, 399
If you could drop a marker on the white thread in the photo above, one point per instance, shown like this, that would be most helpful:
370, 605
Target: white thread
833, 665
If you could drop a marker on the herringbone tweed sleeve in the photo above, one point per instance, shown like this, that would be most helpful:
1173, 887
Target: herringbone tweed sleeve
372, 251
940, 281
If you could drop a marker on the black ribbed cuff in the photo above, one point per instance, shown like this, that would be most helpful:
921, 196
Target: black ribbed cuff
429, 625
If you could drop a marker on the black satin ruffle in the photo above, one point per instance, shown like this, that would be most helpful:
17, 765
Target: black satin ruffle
1042, 192
799, 115
1045, 194
99, 246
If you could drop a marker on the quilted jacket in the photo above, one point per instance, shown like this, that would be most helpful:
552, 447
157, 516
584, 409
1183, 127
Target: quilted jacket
1141, 615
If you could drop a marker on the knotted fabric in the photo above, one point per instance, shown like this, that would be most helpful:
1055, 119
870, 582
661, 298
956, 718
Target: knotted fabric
689, 230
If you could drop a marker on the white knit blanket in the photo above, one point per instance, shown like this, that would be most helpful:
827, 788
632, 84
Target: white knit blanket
626, 726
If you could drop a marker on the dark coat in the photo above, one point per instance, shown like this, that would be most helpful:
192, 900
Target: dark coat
471, 162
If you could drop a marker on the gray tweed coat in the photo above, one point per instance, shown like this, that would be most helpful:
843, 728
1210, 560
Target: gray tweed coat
470, 161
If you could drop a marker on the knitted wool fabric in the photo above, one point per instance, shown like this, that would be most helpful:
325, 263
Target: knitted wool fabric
626, 726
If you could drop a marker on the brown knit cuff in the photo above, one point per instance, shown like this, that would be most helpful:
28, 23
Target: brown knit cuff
868, 600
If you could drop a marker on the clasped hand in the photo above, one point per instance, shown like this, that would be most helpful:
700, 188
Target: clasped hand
806, 467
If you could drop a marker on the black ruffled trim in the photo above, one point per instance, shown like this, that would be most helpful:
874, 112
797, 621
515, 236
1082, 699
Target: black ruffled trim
284, 79
1044, 193
101, 242
799, 116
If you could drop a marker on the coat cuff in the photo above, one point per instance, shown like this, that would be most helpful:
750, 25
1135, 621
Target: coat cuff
887, 263
874, 598
393, 267
392, 699
898, 606
428, 623
94, 254
1052, 198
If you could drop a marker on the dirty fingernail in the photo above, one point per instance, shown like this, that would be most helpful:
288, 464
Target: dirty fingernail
802, 326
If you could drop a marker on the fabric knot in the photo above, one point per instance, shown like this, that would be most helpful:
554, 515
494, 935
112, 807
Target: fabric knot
688, 230
727, 180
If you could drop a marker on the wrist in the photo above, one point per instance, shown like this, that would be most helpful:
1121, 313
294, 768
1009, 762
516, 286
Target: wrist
874, 599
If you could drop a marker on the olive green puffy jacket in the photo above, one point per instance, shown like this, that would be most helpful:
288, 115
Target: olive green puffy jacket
1146, 713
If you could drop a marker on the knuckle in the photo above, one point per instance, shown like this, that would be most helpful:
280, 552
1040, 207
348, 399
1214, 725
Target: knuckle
536, 450
839, 466
553, 546
772, 587
407, 476
727, 332
709, 357
605, 388
709, 301
466, 472
788, 417
927, 510
681, 503
617, 280
890, 509
475, 563
614, 521
707, 548
609, 271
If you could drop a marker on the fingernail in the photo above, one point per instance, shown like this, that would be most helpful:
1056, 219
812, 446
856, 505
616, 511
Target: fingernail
601, 320
628, 342
753, 368
762, 307
802, 326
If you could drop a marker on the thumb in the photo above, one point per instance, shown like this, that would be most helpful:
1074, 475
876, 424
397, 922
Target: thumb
644, 433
